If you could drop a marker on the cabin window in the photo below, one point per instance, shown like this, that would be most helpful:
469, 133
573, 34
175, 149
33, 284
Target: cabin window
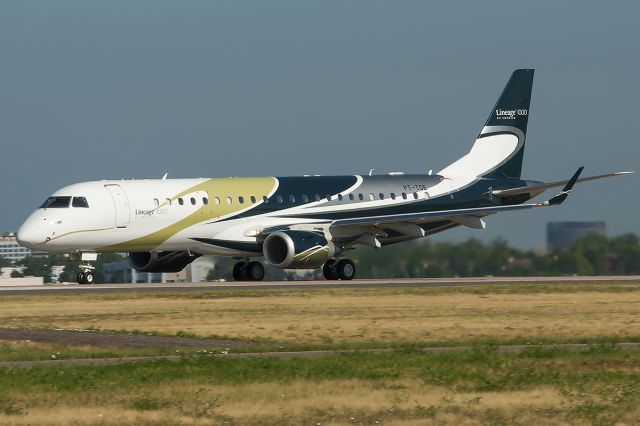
351, 197
216, 200
305, 199
229, 200
265, 199
156, 202
56, 203
381, 195
415, 195
404, 195
193, 201
82, 202
205, 200
328, 197
371, 196
292, 198
317, 197
253, 199
241, 199
340, 197
180, 201
361, 196
393, 196
279, 199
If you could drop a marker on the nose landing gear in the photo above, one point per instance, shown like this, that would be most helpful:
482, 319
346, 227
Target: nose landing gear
86, 275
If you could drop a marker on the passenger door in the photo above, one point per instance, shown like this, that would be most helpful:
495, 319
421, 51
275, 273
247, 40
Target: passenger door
121, 204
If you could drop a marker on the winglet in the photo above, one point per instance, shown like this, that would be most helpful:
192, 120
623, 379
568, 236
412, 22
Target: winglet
558, 199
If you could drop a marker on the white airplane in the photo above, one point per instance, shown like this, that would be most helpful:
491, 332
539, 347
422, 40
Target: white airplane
294, 222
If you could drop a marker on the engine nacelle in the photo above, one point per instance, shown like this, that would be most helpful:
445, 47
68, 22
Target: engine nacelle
297, 249
163, 261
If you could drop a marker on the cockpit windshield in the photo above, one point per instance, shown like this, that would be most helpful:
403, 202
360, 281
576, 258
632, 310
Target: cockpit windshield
56, 203
80, 202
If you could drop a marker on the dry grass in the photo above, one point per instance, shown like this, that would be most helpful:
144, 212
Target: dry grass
329, 402
333, 316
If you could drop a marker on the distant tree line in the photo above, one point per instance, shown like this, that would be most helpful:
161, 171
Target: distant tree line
594, 254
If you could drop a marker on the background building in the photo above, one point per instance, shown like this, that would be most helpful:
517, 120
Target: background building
11, 250
122, 272
562, 235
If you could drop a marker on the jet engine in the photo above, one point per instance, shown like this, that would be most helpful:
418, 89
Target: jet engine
297, 249
163, 261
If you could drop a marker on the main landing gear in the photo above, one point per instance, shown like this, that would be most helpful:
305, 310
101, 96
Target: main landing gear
248, 271
86, 275
342, 269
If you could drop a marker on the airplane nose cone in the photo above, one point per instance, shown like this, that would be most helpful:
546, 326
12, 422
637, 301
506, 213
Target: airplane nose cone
28, 236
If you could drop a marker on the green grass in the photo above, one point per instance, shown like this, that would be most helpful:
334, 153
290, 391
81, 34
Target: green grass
602, 383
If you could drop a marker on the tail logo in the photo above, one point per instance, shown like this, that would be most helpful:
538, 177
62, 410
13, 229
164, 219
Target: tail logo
510, 114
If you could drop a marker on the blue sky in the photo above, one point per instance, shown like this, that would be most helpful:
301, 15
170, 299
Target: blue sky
97, 90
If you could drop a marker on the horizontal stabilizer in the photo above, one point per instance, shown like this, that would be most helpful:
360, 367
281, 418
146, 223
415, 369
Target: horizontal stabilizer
544, 186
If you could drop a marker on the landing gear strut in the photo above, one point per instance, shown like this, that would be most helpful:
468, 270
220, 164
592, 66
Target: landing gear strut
86, 275
343, 269
248, 271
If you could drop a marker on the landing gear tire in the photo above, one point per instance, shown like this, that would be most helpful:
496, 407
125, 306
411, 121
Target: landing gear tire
85, 277
345, 269
254, 271
329, 270
240, 271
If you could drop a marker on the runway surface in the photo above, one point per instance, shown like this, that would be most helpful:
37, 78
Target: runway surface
372, 283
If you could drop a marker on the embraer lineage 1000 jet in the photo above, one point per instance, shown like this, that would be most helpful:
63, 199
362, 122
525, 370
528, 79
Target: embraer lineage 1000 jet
294, 222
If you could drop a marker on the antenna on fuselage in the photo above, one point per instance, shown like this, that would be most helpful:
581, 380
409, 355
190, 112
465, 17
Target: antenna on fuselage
371, 171
165, 176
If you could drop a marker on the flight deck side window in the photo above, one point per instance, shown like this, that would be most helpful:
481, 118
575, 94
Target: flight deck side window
56, 203
180, 201
80, 202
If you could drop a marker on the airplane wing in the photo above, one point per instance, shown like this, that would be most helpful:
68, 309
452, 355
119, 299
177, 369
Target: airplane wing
459, 213
544, 186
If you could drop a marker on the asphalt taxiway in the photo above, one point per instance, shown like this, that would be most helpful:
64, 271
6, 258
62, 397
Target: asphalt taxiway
368, 283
